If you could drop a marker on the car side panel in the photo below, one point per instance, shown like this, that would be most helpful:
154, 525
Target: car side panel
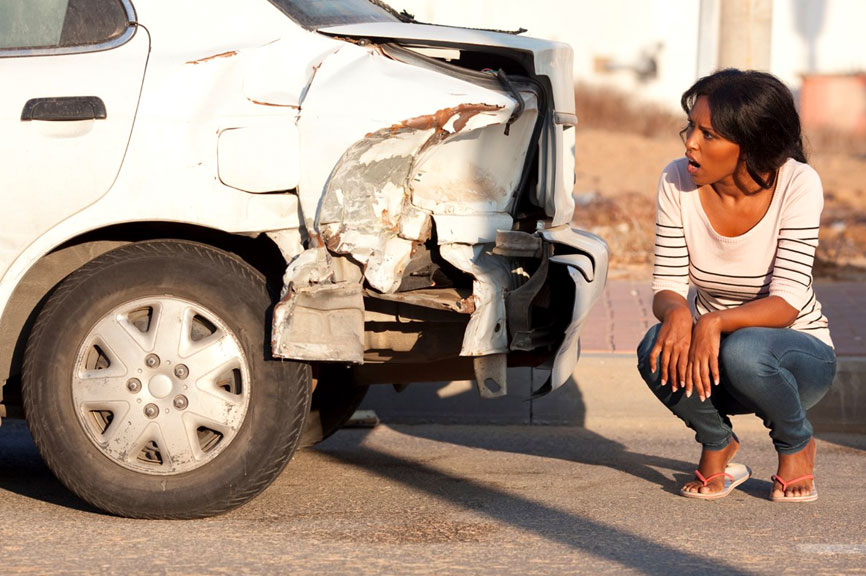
49, 170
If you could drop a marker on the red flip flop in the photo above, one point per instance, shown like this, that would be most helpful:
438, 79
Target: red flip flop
735, 474
811, 497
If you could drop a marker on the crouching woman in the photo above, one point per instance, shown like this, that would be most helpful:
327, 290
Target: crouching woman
738, 217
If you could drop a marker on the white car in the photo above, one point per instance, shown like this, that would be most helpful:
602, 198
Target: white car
214, 216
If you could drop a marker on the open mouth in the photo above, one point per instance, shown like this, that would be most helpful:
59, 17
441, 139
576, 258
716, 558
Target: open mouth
693, 166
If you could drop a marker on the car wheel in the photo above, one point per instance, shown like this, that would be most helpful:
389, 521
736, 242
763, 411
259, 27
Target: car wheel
335, 399
149, 387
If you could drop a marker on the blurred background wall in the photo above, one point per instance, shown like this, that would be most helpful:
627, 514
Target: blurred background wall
652, 50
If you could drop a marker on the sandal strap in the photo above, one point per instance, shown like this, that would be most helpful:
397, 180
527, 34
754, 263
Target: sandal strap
785, 483
706, 481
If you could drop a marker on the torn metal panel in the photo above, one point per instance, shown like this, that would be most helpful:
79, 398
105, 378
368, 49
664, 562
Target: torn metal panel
290, 242
313, 266
317, 266
368, 196
320, 322
478, 170
415, 224
365, 200
487, 331
451, 299
384, 270
470, 228
366, 192
360, 95
517, 244
491, 375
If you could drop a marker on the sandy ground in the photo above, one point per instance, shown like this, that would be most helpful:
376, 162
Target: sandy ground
615, 190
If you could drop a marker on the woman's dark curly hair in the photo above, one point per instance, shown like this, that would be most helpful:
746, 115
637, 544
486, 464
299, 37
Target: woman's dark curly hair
755, 111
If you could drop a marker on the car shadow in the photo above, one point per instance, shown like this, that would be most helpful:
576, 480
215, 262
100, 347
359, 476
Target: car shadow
424, 403
646, 556
584, 447
23, 472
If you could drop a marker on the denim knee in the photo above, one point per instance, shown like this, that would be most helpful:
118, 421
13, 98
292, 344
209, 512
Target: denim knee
643, 357
744, 355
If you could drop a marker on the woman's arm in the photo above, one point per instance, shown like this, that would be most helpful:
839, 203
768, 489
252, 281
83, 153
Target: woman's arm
674, 338
703, 359
671, 280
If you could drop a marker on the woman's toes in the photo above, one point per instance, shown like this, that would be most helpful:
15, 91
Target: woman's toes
801, 491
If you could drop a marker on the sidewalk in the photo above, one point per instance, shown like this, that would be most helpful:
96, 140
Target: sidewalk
620, 320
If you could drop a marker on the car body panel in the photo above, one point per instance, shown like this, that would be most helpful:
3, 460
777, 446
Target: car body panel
51, 170
587, 268
551, 59
352, 155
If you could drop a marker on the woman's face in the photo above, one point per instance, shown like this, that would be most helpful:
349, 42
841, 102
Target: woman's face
712, 158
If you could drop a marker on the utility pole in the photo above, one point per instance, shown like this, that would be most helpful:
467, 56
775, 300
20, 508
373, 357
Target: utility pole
745, 33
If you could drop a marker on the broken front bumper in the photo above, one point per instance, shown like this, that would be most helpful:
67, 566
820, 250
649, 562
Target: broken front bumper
585, 257
326, 321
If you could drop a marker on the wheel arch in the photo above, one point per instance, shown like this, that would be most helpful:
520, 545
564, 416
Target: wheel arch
41, 278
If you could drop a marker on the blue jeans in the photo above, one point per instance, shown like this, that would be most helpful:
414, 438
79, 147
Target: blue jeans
776, 373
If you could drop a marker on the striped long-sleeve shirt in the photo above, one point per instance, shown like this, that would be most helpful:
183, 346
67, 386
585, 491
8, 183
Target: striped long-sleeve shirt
775, 257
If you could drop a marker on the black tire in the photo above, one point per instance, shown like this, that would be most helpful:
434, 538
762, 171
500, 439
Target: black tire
335, 399
138, 435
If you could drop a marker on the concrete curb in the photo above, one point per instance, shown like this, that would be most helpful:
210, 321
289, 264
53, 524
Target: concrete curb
843, 409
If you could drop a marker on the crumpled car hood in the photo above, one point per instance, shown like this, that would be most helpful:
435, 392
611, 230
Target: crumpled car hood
552, 59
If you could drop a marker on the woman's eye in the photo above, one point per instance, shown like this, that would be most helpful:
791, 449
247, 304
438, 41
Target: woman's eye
707, 135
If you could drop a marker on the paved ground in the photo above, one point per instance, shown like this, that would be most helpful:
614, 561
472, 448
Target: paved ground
474, 500
597, 496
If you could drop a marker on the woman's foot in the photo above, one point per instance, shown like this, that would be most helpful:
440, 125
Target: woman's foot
793, 466
712, 462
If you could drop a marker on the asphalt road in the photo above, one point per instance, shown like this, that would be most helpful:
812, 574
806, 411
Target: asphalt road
437, 499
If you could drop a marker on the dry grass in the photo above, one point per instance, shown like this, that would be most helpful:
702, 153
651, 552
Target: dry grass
827, 141
622, 212
607, 109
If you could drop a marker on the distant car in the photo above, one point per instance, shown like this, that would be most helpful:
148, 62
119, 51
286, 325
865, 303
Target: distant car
215, 216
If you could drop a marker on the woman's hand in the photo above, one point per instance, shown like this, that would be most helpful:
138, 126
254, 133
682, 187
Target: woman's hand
672, 346
702, 372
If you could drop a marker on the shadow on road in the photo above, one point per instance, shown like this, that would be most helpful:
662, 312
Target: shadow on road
583, 446
652, 557
23, 472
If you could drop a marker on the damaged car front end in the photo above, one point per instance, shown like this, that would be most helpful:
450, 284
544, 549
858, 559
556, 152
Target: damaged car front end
436, 192
264, 210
